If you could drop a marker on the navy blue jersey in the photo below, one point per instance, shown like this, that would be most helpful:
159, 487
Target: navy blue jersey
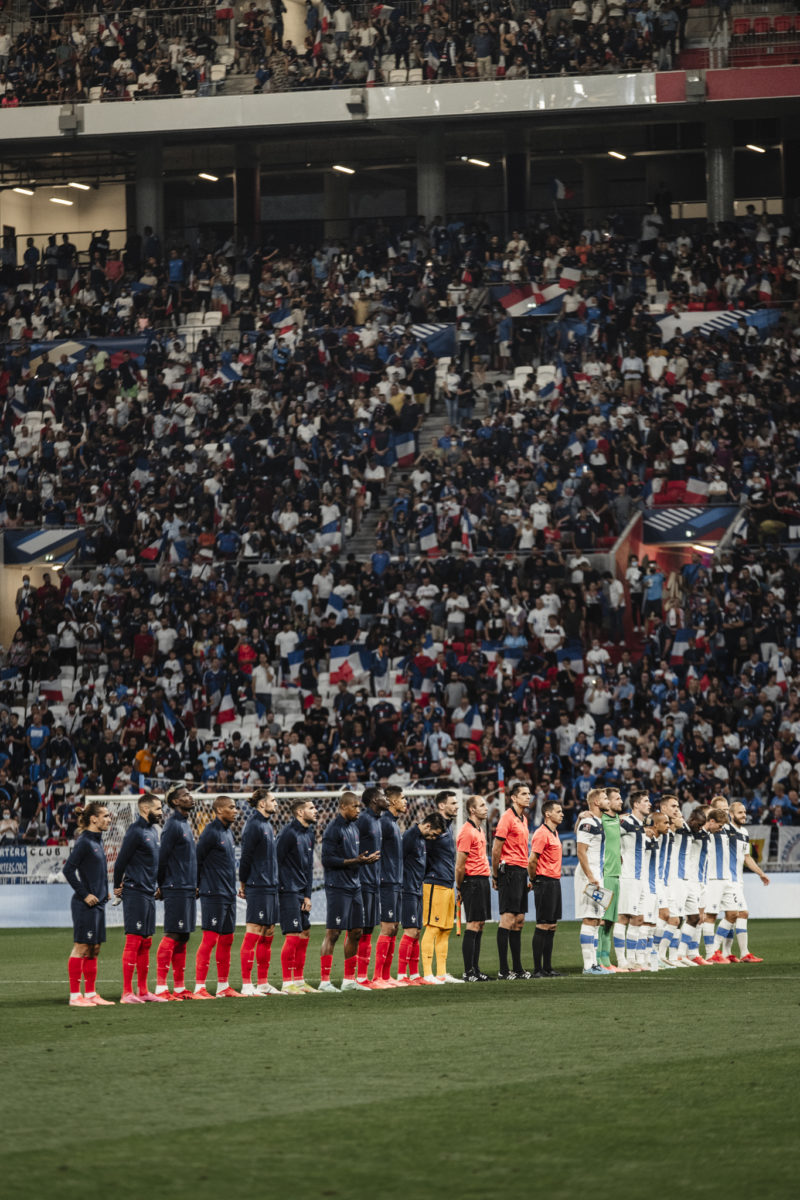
414, 858
295, 851
86, 869
177, 856
391, 861
370, 837
216, 861
137, 861
340, 841
441, 858
258, 865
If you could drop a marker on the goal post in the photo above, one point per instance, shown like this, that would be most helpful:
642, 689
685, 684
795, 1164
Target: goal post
123, 809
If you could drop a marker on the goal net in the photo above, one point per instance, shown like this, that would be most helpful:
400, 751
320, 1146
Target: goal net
124, 811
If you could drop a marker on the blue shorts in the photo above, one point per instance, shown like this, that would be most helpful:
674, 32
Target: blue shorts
344, 909
138, 912
411, 910
218, 914
390, 902
88, 924
180, 912
262, 906
293, 919
371, 904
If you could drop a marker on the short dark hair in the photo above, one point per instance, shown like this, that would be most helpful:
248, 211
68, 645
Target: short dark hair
549, 805
442, 797
435, 820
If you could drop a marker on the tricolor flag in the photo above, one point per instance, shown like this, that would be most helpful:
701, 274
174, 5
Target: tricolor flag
153, 729
405, 449
75, 283
428, 539
295, 659
50, 689
170, 721
330, 534
340, 669
335, 607
466, 530
226, 711
680, 645
696, 492
560, 191
572, 657
153, 552
300, 466
475, 722
765, 290
569, 277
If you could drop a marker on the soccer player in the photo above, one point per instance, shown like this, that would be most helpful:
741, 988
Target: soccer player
258, 885
612, 864
369, 835
589, 837
391, 865
86, 872
177, 884
136, 880
740, 857
668, 806
694, 871
438, 894
472, 885
295, 851
510, 877
683, 839
415, 857
721, 897
342, 859
544, 872
628, 938
216, 887
656, 826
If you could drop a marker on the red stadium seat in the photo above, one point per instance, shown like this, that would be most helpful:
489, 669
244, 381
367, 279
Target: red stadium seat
762, 26
741, 27
782, 24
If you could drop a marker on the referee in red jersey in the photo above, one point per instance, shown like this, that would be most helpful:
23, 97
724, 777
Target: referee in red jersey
544, 872
472, 885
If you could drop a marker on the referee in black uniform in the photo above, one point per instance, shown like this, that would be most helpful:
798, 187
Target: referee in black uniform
544, 872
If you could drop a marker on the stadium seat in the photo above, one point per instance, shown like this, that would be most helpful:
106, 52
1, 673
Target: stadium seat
415, 75
397, 76
762, 26
212, 319
742, 27
95, 93
782, 23
194, 318
218, 72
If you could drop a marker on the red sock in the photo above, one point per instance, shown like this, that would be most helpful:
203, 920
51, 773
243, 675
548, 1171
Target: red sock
381, 950
203, 958
224, 957
89, 975
300, 957
413, 958
247, 955
325, 965
364, 954
179, 967
387, 965
350, 967
143, 964
263, 956
130, 954
287, 958
404, 953
75, 970
164, 953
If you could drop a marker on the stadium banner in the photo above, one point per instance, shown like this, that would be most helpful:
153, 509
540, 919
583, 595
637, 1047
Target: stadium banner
789, 845
32, 864
759, 842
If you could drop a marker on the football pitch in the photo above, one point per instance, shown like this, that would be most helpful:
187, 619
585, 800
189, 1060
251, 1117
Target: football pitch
678, 1084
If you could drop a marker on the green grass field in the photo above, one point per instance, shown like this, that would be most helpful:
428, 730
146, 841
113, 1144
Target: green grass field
678, 1084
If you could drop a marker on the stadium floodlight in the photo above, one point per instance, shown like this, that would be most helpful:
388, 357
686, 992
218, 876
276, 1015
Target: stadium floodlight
208, 176
60, 200
23, 191
80, 187
479, 162
342, 169
757, 149
616, 154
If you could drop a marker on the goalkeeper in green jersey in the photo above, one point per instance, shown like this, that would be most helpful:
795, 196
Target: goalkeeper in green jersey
612, 862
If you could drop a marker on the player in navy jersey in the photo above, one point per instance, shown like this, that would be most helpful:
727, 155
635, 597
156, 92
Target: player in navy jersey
391, 866
216, 887
342, 859
136, 881
369, 833
258, 885
86, 872
177, 887
428, 828
295, 851
438, 894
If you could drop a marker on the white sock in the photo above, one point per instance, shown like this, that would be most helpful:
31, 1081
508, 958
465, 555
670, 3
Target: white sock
658, 934
708, 937
724, 939
674, 942
619, 944
685, 943
588, 945
741, 936
161, 988
199, 987
74, 995
221, 985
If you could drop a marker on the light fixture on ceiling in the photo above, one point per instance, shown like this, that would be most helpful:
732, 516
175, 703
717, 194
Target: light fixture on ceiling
80, 187
23, 191
479, 162
59, 200
758, 149
343, 170
616, 154
208, 176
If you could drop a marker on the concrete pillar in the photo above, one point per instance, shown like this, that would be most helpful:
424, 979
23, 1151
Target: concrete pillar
294, 23
336, 205
247, 196
719, 170
515, 176
431, 193
150, 187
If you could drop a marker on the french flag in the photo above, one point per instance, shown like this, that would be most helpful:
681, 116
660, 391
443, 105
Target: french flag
75, 283
295, 659
153, 729
360, 660
475, 722
572, 657
226, 712
466, 530
335, 607
340, 669
765, 290
428, 540
51, 690
170, 721
330, 534
696, 491
154, 551
559, 190
405, 449
570, 277
680, 645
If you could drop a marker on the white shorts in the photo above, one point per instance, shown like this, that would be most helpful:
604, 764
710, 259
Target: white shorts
677, 906
649, 907
741, 903
721, 896
694, 900
631, 895
585, 909
664, 897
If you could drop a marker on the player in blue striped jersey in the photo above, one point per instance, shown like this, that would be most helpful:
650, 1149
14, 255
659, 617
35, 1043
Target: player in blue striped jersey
692, 868
628, 937
589, 874
721, 899
656, 828
668, 805
741, 858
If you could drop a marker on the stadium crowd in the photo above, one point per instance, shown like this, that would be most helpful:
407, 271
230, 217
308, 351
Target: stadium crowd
214, 488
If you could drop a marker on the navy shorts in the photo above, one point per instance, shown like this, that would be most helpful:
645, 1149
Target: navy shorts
218, 914
371, 903
180, 912
262, 906
390, 903
411, 910
344, 909
293, 919
88, 924
138, 912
